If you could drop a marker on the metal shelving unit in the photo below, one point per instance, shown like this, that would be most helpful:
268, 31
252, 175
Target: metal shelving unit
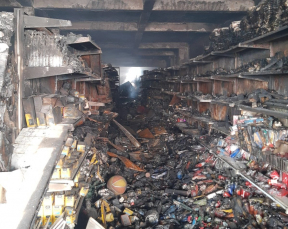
84, 46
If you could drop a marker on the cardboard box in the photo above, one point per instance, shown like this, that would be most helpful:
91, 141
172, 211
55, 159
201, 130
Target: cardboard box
54, 116
48, 199
65, 173
84, 191
81, 147
56, 174
29, 109
48, 210
74, 144
69, 201
72, 111
76, 179
65, 150
60, 199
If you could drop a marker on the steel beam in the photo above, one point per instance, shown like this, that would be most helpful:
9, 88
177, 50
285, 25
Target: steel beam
150, 27
91, 4
175, 5
204, 5
103, 25
180, 27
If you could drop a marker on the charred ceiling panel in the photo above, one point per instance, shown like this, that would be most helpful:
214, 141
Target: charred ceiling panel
9, 3
204, 5
194, 16
181, 27
103, 25
91, 4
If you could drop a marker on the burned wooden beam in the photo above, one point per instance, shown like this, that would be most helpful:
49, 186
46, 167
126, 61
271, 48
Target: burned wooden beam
150, 27
143, 21
160, 5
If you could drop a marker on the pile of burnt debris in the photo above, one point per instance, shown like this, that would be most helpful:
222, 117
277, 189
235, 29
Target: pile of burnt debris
146, 173
268, 16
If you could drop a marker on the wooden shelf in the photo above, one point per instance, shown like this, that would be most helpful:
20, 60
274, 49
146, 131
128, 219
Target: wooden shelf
268, 37
261, 42
42, 72
224, 103
84, 46
199, 99
264, 73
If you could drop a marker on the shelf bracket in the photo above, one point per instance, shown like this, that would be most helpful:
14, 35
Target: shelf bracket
256, 46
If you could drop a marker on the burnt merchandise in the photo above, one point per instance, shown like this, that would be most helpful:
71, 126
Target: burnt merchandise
268, 16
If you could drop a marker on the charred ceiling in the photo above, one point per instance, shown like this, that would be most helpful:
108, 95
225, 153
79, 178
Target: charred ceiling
123, 28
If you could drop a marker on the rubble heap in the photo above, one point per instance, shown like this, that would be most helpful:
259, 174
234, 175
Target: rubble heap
173, 181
